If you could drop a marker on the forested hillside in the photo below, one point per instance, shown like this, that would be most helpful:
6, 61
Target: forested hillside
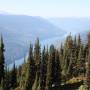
66, 68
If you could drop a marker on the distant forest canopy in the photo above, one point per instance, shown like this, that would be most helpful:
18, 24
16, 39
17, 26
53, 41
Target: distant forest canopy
50, 68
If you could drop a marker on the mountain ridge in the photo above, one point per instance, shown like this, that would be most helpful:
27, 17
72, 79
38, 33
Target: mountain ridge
20, 30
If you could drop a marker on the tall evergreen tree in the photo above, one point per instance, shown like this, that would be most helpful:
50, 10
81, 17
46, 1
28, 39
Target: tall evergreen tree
2, 87
67, 53
2, 59
81, 61
37, 56
49, 78
30, 75
7, 79
13, 77
57, 70
37, 52
43, 70
78, 45
87, 82
79, 41
87, 46
61, 56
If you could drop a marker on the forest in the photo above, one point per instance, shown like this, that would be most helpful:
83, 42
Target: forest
49, 68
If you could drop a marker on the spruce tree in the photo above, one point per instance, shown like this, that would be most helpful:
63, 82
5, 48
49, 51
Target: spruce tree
7, 79
2, 59
81, 61
30, 74
87, 46
2, 87
87, 82
67, 53
61, 52
78, 45
37, 52
13, 77
43, 70
79, 41
49, 81
57, 70
88, 40
37, 56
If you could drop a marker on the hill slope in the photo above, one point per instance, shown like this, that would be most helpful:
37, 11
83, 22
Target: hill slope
18, 31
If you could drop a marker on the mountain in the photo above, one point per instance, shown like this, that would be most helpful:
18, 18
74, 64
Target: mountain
19, 31
72, 24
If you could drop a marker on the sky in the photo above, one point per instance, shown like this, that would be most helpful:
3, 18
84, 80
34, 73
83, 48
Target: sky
47, 8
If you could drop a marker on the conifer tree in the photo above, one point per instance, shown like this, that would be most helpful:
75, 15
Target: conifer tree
37, 52
13, 77
78, 45
81, 61
75, 41
2, 59
47, 55
79, 41
30, 74
57, 70
2, 85
52, 57
37, 56
88, 40
49, 81
61, 56
67, 53
70, 67
7, 79
87, 46
43, 70
87, 82
36, 83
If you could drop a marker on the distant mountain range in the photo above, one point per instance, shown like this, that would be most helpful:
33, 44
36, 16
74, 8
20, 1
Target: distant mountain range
19, 31
72, 24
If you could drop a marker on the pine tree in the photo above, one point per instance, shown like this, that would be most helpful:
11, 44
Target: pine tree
37, 56
2, 59
80, 61
61, 56
5, 83
30, 75
13, 77
87, 82
2, 85
88, 40
37, 52
57, 70
78, 45
79, 41
43, 70
87, 46
67, 53
7, 79
36, 82
49, 81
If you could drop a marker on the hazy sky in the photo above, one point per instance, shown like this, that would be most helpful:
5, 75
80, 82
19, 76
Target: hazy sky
47, 8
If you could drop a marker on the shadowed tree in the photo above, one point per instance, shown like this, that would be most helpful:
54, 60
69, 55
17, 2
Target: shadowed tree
30, 74
13, 77
2, 59
43, 70
87, 82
